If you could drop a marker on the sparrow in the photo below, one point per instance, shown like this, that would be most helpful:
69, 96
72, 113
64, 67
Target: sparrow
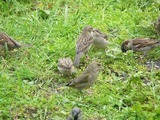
157, 26
7, 43
87, 78
75, 114
83, 44
100, 40
65, 66
139, 45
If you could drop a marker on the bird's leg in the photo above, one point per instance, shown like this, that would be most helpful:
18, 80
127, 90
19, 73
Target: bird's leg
6, 48
143, 56
145, 53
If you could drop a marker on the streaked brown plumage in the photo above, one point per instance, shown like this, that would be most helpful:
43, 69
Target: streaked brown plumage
65, 66
100, 40
6, 42
83, 44
87, 78
139, 45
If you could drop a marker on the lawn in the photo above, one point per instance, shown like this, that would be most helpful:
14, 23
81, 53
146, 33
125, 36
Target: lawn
31, 87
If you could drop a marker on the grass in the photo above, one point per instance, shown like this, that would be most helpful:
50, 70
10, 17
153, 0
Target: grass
31, 86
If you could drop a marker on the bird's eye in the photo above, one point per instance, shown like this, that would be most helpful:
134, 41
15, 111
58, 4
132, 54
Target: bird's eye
97, 31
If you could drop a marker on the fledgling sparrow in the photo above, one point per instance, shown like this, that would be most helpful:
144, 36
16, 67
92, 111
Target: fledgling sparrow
65, 66
157, 26
139, 45
87, 78
100, 40
6, 42
83, 44
75, 114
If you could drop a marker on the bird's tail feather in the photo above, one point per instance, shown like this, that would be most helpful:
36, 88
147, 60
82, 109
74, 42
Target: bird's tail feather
77, 59
67, 84
71, 83
157, 44
25, 45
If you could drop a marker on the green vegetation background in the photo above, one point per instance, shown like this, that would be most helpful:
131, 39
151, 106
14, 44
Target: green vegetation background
31, 86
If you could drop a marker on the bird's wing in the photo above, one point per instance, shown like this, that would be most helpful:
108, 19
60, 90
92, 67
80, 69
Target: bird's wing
143, 42
4, 38
83, 78
83, 43
104, 35
80, 80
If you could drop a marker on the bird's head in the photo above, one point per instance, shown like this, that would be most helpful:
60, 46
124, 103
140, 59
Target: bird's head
75, 113
87, 29
95, 33
124, 46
